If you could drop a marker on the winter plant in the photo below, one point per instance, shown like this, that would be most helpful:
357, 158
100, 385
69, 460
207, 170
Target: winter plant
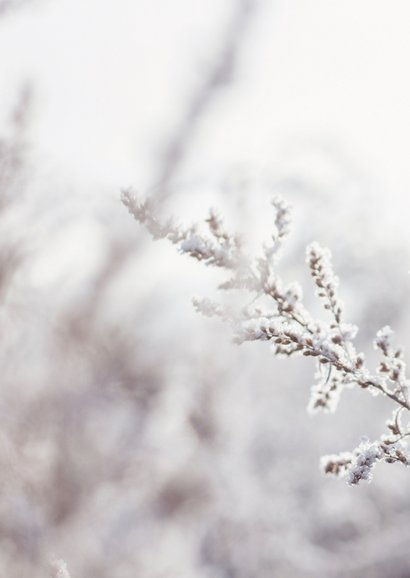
277, 314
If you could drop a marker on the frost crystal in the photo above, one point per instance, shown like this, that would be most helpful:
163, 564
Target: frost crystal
367, 454
383, 339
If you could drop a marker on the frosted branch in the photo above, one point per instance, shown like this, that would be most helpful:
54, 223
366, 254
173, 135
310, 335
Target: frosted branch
292, 330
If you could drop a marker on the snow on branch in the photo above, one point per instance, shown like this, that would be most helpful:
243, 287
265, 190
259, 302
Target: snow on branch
292, 330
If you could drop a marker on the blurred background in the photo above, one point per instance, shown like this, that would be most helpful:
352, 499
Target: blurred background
136, 440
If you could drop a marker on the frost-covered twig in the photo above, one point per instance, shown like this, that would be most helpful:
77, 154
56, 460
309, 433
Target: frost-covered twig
292, 330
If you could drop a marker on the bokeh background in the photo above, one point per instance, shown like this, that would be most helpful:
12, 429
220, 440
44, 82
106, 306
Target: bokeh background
136, 440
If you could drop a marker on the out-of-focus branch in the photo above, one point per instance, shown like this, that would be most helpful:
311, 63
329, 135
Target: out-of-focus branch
8, 5
219, 77
12, 175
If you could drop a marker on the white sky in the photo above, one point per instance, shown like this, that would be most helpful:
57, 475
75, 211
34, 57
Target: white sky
112, 76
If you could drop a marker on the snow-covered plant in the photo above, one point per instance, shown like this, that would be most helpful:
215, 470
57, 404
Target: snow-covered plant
276, 313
